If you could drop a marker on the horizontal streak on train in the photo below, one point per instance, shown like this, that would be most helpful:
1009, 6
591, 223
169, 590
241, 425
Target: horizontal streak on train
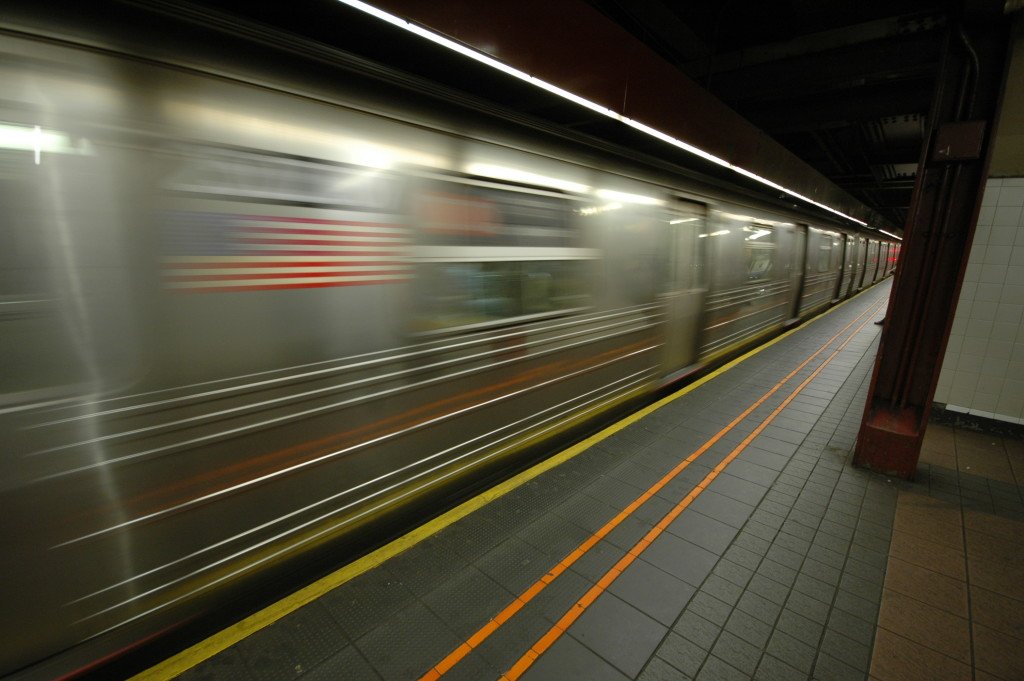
185, 288
324, 221
340, 273
327, 232
204, 485
248, 263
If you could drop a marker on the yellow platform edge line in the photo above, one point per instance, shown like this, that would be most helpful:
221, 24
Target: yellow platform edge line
207, 648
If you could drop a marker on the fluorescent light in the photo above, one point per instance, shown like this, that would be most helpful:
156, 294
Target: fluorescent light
516, 175
594, 210
718, 233
586, 103
613, 195
682, 220
889, 234
35, 139
758, 234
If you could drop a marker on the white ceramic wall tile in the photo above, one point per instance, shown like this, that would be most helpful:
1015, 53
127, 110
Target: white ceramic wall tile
993, 368
1014, 275
1013, 392
983, 370
964, 383
978, 254
1004, 332
970, 362
994, 274
1012, 293
997, 255
1010, 404
977, 328
1011, 196
1005, 216
999, 349
983, 293
1009, 313
984, 402
991, 195
983, 310
1016, 370
985, 216
1003, 233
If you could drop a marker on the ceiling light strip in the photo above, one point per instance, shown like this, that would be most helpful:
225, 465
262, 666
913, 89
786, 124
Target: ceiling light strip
586, 103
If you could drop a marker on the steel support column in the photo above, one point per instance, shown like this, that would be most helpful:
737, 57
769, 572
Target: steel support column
939, 232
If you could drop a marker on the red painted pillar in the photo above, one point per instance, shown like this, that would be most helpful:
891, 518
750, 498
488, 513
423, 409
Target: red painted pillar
939, 231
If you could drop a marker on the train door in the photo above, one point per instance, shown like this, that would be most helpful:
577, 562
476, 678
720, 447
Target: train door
862, 262
846, 273
871, 275
685, 286
883, 260
798, 256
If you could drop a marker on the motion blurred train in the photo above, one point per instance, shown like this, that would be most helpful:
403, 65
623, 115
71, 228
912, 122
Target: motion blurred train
247, 313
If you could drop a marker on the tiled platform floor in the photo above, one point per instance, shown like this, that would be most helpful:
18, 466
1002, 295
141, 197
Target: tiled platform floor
780, 569
953, 598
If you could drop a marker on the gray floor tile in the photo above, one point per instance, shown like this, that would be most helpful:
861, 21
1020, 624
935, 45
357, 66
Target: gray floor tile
738, 652
408, 644
347, 664
682, 654
468, 601
680, 558
653, 591
729, 511
619, 633
774, 669
749, 628
659, 670
715, 669
696, 629
705, 532
570, 659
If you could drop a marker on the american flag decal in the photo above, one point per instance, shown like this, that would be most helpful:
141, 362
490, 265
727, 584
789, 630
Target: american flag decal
208, 252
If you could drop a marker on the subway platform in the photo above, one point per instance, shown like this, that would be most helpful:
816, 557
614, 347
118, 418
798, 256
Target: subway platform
718, 534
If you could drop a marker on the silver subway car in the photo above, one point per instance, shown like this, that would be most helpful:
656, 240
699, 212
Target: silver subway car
241, 320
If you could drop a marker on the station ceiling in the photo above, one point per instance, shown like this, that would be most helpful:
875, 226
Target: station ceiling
845, 85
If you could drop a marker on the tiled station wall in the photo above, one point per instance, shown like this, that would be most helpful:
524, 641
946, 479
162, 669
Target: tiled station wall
983, 371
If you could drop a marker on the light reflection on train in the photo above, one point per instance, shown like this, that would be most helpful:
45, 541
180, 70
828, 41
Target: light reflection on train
237, 323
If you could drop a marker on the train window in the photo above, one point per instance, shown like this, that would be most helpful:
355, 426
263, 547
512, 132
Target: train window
456, 214
825, 256
490, 254
836, 250
263, 177
759, 249
460, 294
21, 245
